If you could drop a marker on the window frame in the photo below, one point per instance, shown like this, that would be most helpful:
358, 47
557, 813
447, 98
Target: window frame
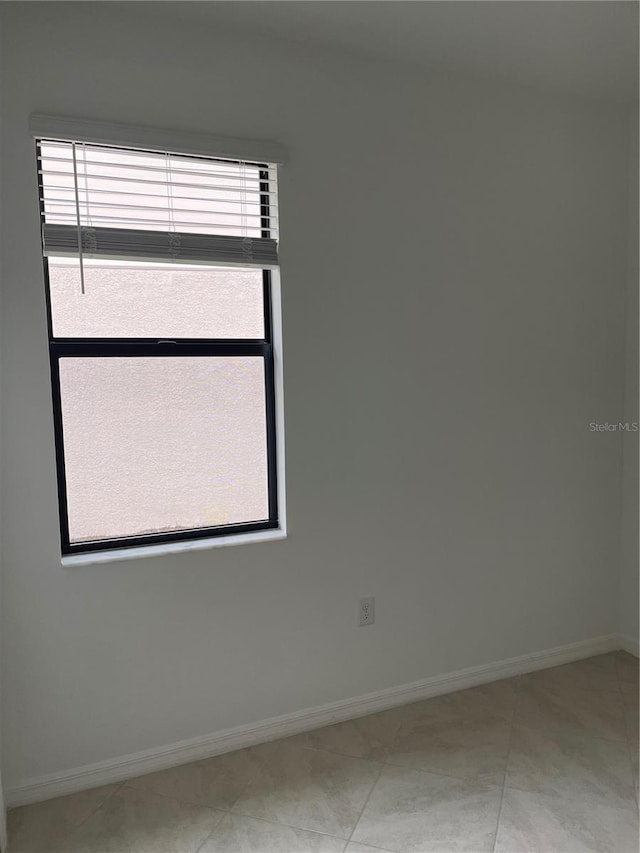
179, 347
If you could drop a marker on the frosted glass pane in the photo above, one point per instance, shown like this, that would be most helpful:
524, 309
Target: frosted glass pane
163, 444
143, 300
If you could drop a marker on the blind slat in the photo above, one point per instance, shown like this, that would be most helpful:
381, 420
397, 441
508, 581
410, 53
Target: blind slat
252, 171
142, 182
134, 244
130, 193
110, 205
141, 223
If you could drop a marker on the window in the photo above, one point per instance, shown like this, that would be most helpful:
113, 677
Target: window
160, 272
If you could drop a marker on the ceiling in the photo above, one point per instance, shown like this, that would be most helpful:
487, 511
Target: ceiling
585, 48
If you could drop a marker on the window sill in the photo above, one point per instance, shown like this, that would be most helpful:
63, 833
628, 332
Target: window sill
171, 548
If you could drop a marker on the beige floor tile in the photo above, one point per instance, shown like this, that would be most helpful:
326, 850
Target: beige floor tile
596, 673
415, 812
552, 706
634, 752
572, 769
467, 746
308, 789
633, 725
570, 764
238, 834
42, 826
498, 698
628, 668
215, 782
539, 823
631, 712
630, 693
365, 737
140, 822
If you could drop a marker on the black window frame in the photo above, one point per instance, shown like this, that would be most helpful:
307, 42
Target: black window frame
150, 348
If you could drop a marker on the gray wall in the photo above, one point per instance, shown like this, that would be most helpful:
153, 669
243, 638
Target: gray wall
444, 357
629, 554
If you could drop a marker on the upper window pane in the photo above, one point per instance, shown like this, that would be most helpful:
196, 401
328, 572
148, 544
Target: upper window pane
119, 188
147, 300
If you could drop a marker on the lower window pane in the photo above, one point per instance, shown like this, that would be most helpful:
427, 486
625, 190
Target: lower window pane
155, 445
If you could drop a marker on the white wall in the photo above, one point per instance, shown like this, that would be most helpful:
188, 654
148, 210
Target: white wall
444, 358
629, 561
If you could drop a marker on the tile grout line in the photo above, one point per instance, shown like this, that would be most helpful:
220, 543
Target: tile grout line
630, 744
450, 776
204, 840
359, 818
67, 835
583, 691
372, 847
224, 811
583, 734
147, 792
564, 796
382, 762
230, 810
506, 764
297, 827
274, 822
193, 803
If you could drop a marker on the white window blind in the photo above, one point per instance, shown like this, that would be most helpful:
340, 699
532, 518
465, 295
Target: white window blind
115, 203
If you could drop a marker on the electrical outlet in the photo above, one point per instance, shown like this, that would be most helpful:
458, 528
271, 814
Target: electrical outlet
367, 611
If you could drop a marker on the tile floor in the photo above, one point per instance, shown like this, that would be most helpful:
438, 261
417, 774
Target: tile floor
546, 763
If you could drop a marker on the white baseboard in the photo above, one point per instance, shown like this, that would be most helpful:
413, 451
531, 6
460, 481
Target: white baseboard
239, 737
628, 644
